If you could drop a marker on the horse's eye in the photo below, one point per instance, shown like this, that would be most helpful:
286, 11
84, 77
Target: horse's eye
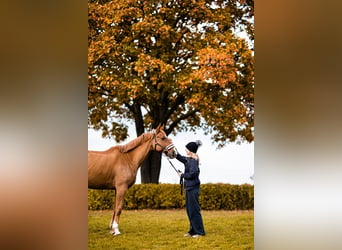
163, 138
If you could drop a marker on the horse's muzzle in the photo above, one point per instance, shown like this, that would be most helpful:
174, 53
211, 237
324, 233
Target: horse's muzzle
170, 151
169, 147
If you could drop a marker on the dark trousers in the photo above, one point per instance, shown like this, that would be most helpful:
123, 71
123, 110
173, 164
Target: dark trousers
193, 211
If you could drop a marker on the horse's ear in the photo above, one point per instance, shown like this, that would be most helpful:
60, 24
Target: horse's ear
157, 129
160, 127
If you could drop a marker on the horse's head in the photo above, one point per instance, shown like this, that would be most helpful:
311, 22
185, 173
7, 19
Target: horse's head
163, 143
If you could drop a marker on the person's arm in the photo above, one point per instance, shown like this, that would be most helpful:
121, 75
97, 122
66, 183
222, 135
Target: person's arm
193, 171
181, 158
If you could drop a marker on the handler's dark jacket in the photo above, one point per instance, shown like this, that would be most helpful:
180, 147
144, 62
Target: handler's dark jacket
191, 172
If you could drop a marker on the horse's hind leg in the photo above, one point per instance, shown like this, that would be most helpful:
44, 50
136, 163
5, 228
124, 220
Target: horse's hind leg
119, 201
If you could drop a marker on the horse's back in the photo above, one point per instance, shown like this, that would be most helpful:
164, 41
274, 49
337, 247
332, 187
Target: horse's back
101, 172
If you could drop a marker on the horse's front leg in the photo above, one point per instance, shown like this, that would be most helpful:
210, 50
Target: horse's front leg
118, 205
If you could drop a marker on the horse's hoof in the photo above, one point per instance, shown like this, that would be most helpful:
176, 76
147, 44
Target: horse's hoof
112, 232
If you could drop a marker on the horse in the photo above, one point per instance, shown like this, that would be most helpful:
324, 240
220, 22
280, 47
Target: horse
116, 168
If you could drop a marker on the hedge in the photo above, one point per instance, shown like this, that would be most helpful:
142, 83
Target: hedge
167, 196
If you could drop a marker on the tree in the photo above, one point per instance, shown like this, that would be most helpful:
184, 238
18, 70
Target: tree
175, 62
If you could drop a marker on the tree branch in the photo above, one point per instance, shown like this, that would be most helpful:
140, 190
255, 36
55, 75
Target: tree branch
130, 107
185, 31
179, 100
102, 92
179, 119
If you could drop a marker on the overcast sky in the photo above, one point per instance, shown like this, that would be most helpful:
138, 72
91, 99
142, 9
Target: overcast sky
232, 164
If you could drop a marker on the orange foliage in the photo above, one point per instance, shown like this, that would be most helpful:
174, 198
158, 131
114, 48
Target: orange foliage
177, 61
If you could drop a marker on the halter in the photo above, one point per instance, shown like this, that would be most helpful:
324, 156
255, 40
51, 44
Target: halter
167, 148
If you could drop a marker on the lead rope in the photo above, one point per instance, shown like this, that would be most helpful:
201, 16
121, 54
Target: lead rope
181, 180
181, 183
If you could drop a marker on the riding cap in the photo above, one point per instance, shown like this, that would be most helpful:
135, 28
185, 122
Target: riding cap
193, 146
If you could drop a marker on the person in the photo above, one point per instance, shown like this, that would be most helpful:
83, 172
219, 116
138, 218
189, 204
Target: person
192, 188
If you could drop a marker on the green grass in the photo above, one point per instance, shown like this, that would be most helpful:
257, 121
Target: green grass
164, 229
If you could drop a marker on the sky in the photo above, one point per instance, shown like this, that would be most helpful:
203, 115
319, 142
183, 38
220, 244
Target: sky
233, 164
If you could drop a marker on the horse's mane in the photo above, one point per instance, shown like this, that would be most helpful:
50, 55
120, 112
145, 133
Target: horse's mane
135, 143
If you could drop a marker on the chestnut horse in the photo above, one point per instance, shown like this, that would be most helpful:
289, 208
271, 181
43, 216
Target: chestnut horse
116, 168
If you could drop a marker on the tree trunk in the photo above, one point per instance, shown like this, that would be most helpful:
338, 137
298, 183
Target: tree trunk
138, 117
150, 169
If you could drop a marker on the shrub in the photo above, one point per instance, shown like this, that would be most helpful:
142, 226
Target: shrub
100, 199
167, 196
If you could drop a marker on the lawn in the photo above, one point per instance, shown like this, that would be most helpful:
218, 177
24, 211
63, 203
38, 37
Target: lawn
164, 229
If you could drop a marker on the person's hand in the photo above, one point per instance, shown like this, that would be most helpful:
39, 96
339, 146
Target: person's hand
179, 173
